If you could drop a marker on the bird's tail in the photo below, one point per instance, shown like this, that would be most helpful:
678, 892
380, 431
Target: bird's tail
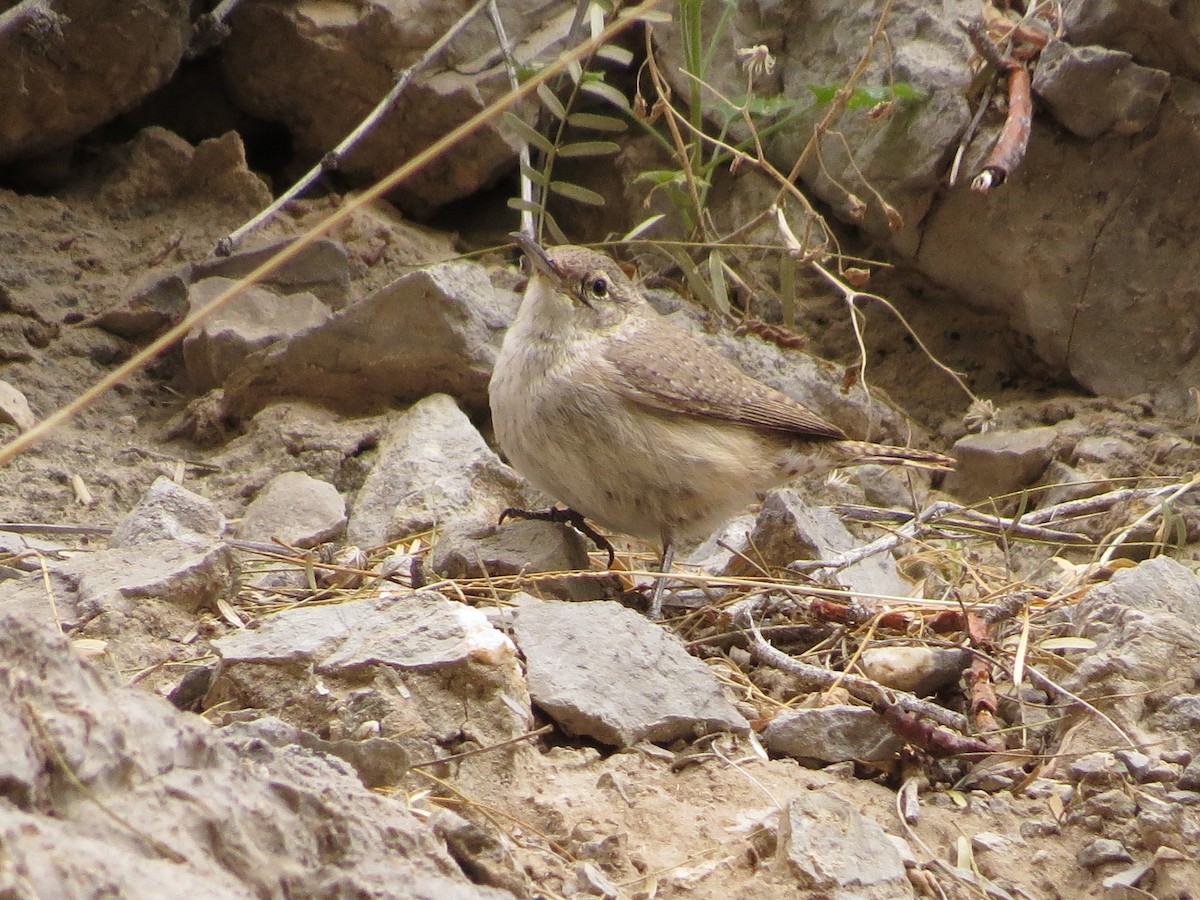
864, 452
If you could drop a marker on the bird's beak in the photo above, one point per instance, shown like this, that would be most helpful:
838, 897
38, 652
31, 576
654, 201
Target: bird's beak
538, 258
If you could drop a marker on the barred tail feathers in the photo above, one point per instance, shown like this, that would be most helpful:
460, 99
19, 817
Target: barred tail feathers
865, 453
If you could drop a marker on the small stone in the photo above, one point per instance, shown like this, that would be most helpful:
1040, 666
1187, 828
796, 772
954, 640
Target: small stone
253, 320
1094, 90
788, 529
1036, 828
1189, 780
297, 509
995, 843
921, 670
517, 547
831, 734
1135, 762
155, 303
321, 268
169, 512
1102, 851
1161, 773
14, 408
432, 468
1000, 462
1094, 770
831, 848
636, 683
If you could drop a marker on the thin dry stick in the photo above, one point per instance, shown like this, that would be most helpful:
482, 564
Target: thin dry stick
527, 736
333, 159
1169, 496
434, 150
814, 678
510, 66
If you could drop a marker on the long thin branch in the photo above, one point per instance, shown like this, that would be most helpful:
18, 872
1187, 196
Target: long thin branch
333, 159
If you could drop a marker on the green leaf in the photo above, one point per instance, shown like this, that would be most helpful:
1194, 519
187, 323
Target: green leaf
522, 205
605, 91
535, 175
551, 102
576, 192
656, 17
528, 133
555, 232
865, 96
596, 122
692, 274
659, 177
642, 227
716, 277
614, 54
588, 148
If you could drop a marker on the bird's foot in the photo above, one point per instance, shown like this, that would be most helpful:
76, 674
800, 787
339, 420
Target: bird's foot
564, 517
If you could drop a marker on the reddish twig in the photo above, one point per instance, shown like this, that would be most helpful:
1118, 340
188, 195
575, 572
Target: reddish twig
926, 736
1010, 147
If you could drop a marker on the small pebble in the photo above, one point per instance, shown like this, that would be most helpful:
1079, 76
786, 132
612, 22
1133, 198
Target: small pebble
1102, 851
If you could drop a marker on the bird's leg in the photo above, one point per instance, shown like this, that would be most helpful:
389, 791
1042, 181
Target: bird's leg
564, 517
656, 601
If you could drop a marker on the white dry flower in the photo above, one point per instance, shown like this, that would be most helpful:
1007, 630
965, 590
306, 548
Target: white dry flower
756, 60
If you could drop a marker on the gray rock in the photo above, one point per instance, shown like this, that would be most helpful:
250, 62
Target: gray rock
281, 64
218, 814
296, 508
1069, 263
920, 670
415, 669
437, 329
1095, 770
788, 529
831, 734
1102, 851
1162, 35
1159, 585
14, 408
473, 550
828, 846
1104, 449
169, 512
1093, 90
254, 320
1136, 763
185, 575
321, 268
412, 633
154, 304
67, 66
999, 462
432, 468
601, 670
1190, 779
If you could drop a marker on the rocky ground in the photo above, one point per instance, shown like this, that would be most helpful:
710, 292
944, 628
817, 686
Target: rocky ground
263, 637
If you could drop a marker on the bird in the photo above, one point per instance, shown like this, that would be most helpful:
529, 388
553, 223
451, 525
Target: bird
633, 422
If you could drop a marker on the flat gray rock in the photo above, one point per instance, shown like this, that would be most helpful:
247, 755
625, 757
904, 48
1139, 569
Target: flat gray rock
409, 631
788, 528
436, 329
830, 847
253, 320
296, 508
601, 670
169, 512
998, 462
830, 734
432, 467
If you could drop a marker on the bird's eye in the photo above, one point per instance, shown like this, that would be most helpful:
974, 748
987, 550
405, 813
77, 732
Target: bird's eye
598, 287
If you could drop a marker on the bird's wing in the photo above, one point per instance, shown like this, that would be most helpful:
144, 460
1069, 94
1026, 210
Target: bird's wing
660, 366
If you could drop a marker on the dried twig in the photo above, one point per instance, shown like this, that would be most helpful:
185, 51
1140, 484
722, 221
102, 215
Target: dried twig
814, 678
333, 159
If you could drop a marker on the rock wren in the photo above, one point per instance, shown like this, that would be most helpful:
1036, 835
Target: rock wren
631, 421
